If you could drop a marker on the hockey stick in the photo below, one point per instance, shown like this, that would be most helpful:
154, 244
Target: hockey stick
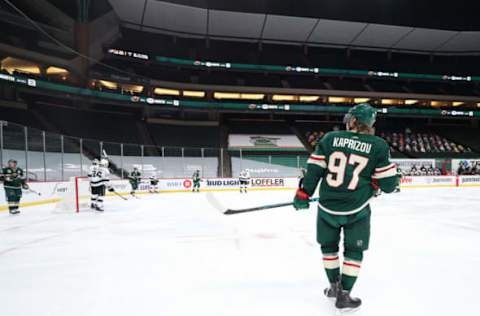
34, 192
261, 208
105, 156
134, 196
120, 196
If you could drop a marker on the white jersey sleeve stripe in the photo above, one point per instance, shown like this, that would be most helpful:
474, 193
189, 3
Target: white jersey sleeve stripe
382, 169
385, 174
320, 163
320, 157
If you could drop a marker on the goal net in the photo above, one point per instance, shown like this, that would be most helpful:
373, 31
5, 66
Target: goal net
74, 195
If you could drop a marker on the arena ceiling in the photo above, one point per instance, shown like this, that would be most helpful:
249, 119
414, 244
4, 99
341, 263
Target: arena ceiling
198, 21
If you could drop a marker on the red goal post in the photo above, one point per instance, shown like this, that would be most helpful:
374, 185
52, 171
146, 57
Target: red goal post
74, 195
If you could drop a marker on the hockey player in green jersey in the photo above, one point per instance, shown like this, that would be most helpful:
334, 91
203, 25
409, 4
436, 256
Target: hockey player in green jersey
196, 181
13, 182
134, 178
352, 165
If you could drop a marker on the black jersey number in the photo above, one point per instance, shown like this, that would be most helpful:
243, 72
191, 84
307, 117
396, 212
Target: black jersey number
97, 174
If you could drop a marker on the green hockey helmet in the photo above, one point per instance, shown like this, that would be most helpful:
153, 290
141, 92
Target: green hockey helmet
364, 113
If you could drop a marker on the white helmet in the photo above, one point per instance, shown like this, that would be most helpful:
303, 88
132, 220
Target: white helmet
104, 163
95, 162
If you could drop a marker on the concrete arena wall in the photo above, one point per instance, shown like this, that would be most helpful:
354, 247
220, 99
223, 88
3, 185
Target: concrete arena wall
50, 191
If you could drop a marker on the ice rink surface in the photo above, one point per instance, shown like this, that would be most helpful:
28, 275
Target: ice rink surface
175, 254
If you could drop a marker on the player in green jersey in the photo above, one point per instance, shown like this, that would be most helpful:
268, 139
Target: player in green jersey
13, 182
352, 166
196, 181
134, 178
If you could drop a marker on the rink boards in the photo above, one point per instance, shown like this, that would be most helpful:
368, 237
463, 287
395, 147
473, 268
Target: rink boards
50, 190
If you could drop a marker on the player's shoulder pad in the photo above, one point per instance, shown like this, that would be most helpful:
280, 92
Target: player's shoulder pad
381, 143
328, 136
332, 134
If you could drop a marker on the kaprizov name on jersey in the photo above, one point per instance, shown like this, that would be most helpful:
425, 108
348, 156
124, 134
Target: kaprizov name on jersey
352, 144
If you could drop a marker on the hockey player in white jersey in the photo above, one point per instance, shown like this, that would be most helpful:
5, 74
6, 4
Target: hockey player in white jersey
99, 176
153, 184
244, 180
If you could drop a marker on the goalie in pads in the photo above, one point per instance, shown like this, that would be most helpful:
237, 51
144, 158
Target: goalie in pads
352, 165
99, 177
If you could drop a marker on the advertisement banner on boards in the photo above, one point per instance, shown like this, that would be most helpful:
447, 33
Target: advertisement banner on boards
264, 141
428, 182
50, 192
